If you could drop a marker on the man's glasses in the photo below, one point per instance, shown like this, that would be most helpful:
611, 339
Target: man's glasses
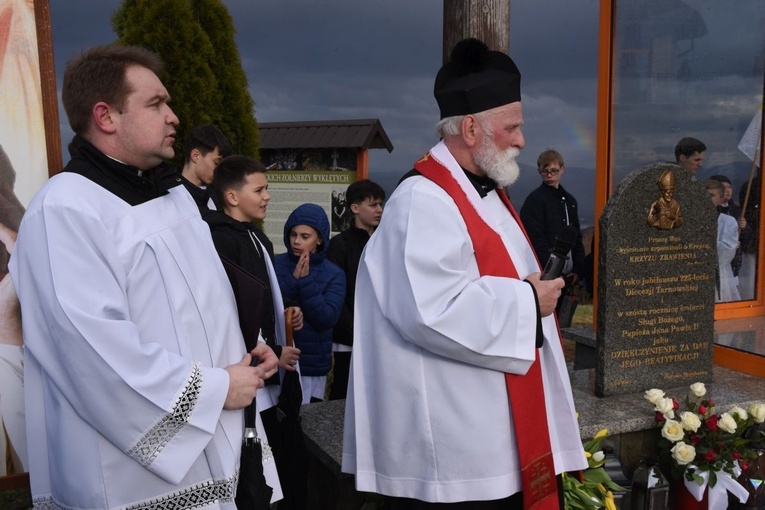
552, 171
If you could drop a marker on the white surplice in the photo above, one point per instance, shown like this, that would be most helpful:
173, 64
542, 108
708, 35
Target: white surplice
427, 414
129, 321
727, 244
268, 396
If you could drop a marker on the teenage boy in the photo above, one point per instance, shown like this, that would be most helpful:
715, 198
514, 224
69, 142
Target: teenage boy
205, 148
545, 212
240, 189
365, 200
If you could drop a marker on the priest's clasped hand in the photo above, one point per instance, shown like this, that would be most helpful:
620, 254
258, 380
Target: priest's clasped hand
266, 359
244, 380
548, 292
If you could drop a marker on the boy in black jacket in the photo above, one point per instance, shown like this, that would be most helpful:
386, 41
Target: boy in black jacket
204, 148
240, 188
365, 200
545, 212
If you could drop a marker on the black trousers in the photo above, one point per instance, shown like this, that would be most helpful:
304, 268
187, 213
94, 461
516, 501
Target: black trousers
514, 502
340, 373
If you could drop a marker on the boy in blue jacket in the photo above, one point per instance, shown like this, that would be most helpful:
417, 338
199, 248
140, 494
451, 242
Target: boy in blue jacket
318, 287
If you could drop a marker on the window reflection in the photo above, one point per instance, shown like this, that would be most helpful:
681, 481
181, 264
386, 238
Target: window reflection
692, 68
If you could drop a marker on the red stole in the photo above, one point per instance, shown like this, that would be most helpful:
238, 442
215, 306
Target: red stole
525, 392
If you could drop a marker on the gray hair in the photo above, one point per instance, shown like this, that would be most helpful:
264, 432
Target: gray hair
449, 126
453, 125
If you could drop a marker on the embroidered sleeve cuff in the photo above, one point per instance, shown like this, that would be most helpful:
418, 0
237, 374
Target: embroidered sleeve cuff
194, 416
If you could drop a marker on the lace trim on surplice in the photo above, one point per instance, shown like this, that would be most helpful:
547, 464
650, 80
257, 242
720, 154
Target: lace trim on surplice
151, 444
196, 496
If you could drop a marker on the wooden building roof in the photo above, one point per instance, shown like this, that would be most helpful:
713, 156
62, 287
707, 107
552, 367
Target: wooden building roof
359, 133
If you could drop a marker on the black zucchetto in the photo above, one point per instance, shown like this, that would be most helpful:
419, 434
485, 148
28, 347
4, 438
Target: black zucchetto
476, 79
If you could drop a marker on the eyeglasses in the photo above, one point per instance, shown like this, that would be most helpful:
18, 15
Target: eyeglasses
552, 171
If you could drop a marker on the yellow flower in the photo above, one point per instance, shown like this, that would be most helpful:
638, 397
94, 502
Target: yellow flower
587, 454
601, 433
609, 501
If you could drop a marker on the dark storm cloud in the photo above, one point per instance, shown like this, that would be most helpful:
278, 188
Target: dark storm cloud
337, 36
335, 59
322, 60
311, 60
554, 40
340, 59
79, 24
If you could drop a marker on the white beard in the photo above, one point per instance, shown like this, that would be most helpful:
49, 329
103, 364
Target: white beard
500, 166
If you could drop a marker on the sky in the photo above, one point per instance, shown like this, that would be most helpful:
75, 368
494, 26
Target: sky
340, 59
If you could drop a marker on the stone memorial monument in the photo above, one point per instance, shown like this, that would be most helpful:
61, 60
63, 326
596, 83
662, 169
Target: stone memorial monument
657, 271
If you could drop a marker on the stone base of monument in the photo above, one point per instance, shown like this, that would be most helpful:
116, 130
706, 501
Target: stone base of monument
628, 417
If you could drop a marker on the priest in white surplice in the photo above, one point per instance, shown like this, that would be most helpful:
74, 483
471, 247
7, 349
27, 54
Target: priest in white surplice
451, 312
135, 368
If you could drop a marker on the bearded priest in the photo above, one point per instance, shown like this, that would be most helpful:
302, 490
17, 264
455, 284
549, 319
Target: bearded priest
461, 395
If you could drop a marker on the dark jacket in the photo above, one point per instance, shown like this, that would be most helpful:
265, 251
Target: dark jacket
234, 240
170, 177
544, 214
345, 251
320, 294
119, 179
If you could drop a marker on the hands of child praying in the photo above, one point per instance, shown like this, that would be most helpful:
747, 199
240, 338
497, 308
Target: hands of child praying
303, 265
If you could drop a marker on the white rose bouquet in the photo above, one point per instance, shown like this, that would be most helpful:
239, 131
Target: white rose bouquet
699, 444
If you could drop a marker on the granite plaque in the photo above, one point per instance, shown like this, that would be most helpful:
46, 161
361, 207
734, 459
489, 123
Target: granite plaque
657, 271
